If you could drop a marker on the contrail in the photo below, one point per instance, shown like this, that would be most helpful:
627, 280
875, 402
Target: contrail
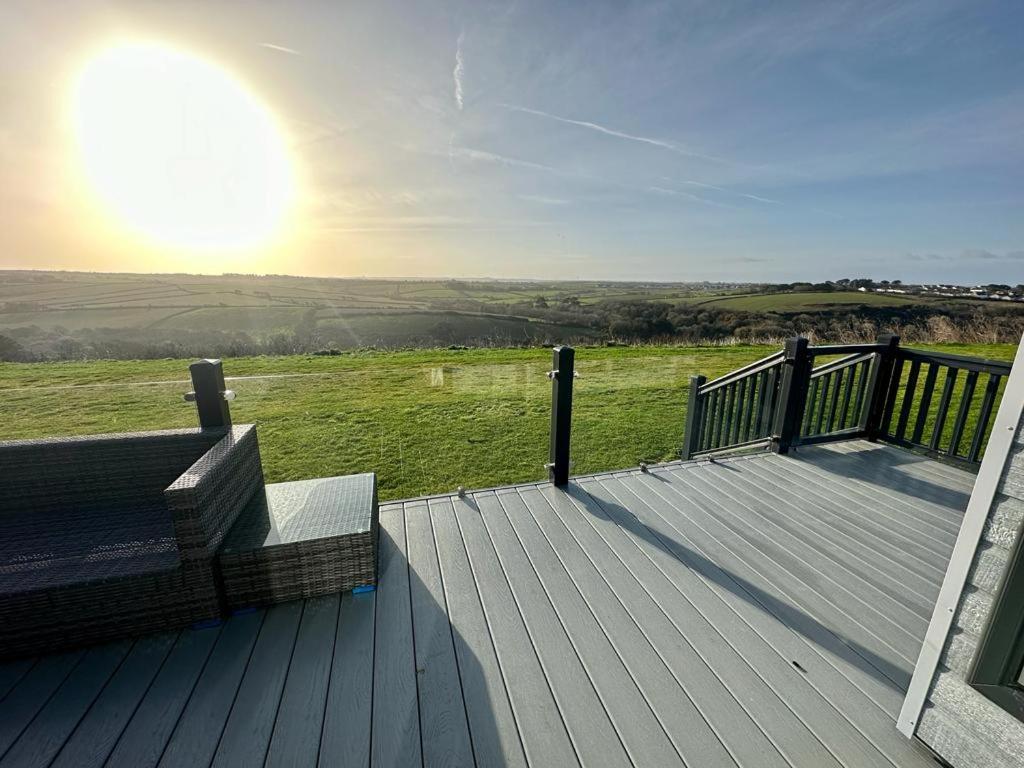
281, 48
611, 132
729, 191
459, 70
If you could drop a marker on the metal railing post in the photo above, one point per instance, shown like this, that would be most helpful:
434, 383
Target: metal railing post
796, 377
210, 394
691, 437
880, 384
561, 375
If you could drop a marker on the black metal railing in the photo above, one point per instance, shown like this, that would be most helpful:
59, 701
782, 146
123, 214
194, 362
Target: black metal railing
942, 404
734, 411
838, 397
938, 403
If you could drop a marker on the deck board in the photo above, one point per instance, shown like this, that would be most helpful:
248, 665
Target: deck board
746, 517
345, 739
767, 684
492, 725
443, 722
396, 739
94, 738
755, 611
142, 742
300, 717
40, 742
34, 689
250, 724
595, 736
612, 665
540, 724
788, 500
11, 674
795, 580
201, 724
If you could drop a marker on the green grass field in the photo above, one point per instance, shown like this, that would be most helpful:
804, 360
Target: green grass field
425, 421
799, 302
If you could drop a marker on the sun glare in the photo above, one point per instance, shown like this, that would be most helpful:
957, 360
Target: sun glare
178, 150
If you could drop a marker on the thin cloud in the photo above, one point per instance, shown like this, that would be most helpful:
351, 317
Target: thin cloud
281, 48
702, 185
688, 196
431, 224
459, 70
482, 156
612, 132
544, 200
978, 253
479, 155
981, 253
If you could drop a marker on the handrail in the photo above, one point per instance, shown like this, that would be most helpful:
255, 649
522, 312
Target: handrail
740, 373
979, 364
843, 349
826, 368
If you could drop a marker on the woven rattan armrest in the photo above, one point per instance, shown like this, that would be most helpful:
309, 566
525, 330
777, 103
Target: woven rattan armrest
206, 499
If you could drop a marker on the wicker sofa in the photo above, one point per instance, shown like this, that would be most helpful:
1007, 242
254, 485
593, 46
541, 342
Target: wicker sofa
114, 535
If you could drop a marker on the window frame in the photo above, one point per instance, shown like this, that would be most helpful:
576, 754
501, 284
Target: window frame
999, 662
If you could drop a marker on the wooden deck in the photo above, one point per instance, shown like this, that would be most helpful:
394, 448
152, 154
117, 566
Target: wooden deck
757, 611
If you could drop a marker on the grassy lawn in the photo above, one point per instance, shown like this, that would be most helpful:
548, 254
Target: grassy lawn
426, 421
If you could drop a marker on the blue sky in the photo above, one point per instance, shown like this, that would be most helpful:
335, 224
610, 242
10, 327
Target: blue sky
672, 141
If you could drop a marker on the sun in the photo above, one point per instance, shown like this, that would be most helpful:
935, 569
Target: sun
178, 150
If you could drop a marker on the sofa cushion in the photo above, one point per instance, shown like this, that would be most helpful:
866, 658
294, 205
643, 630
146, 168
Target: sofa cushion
79, 545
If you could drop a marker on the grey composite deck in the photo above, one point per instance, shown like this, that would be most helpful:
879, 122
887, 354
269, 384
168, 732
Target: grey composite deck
757, 611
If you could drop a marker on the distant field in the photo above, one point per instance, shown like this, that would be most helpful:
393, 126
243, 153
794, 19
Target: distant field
37, 309
74, 316
425, 421
797, 302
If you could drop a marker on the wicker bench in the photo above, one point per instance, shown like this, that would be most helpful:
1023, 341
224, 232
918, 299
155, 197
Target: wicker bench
302, 539
114, 535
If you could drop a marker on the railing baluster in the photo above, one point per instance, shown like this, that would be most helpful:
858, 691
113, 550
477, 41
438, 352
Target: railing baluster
908, 399
963, 412
734, 431
940, 417
723, 395
837, 381
702, 428
987, 401
738, 407
709, 426
820, 407
807, 422
730, 399
890, 400
713, 418
926, 403
847, 395
748, 416
771, 387
862, 389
